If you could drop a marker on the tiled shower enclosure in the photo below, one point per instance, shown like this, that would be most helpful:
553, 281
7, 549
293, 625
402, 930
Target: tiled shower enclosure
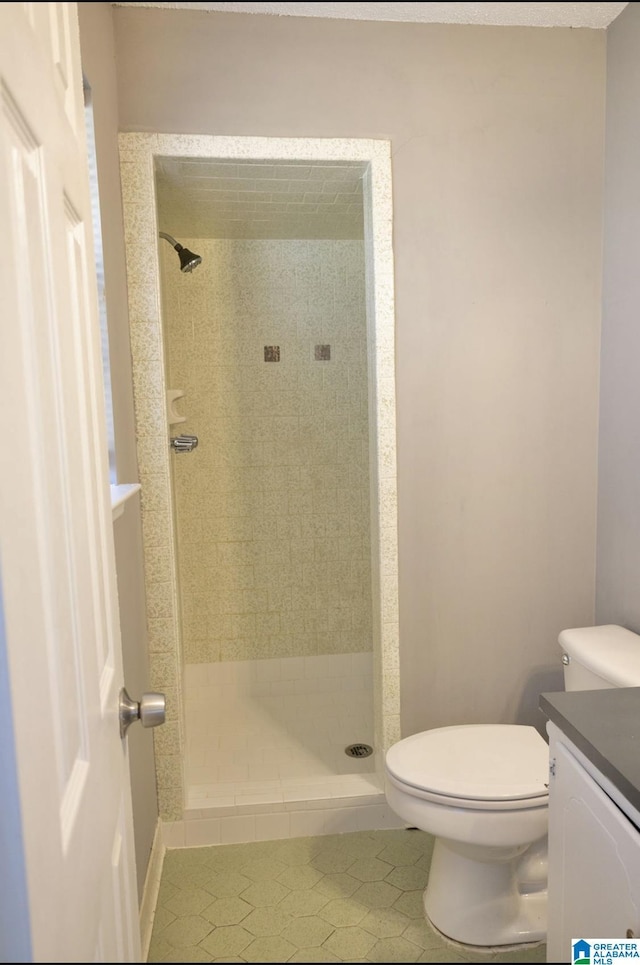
271, 548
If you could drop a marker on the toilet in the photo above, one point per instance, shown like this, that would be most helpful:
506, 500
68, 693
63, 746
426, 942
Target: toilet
482, 791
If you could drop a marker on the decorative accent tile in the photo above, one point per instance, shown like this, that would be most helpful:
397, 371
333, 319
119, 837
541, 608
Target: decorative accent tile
322, 353
272, 353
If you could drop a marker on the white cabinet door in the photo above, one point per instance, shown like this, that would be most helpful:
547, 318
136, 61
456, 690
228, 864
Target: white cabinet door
58, 585
594, 860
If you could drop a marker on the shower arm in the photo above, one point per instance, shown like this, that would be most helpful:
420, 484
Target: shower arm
172, 241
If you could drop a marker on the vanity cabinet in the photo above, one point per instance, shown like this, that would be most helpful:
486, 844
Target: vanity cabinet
594, 853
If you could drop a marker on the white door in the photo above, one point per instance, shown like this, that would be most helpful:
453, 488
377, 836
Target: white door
57, 558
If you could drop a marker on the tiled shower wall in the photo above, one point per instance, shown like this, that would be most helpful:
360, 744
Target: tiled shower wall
267, 341
138, 152
272, 725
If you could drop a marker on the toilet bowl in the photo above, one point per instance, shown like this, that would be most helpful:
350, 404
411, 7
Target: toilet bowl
481, 790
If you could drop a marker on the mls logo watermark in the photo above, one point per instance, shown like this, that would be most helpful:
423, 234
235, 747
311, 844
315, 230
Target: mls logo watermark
603, 951
580, 952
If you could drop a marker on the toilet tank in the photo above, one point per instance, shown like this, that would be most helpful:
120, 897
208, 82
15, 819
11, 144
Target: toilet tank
597, 658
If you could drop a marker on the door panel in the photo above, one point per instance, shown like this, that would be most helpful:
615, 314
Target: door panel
58, 563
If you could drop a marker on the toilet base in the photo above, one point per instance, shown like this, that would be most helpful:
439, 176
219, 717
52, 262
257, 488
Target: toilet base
476, 896
462, 948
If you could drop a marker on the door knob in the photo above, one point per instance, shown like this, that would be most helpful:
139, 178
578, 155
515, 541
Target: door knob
150, 710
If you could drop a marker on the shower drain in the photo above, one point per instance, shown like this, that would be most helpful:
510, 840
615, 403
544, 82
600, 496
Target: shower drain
358, 750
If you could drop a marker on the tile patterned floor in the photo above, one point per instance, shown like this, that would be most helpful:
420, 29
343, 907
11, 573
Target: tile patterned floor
354, 897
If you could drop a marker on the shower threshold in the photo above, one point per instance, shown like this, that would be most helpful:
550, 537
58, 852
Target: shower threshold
233, 814
337, 790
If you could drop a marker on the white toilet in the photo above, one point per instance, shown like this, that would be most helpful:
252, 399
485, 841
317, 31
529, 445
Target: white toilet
482, 791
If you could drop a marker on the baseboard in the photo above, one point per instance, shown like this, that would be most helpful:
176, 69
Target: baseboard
151, 889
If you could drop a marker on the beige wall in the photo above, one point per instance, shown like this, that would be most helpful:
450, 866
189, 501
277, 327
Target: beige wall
497, 140
272, 508
98, 63
618, 569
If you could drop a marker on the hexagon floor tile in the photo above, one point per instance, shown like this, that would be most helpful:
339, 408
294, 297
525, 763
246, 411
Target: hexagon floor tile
334, 898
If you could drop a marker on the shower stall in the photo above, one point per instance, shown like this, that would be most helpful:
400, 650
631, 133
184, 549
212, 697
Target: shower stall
264, 345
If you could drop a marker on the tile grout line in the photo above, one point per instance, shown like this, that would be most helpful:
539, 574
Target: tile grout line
355, 896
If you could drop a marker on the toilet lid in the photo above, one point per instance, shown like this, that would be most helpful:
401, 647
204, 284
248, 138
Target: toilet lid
474, 761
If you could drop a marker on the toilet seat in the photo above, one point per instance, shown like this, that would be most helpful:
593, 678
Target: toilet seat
477, 766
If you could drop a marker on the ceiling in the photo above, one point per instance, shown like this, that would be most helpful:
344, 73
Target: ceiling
199, 198
594, 15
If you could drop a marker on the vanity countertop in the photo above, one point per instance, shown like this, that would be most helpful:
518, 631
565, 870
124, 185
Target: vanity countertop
605, 726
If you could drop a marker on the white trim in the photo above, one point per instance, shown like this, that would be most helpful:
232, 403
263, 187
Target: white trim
150, 891
119, 496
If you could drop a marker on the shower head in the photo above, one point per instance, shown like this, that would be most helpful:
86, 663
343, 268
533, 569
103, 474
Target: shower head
188, 261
